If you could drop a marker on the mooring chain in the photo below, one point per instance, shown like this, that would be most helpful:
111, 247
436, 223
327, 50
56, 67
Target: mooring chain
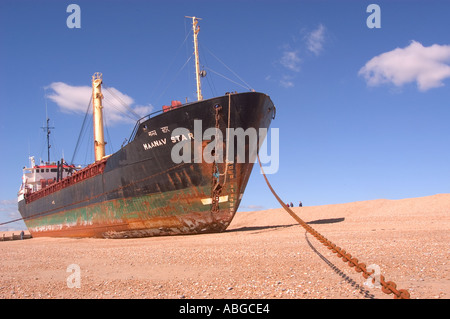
387, 287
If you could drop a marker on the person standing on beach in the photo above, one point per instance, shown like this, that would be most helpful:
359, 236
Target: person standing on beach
300, 204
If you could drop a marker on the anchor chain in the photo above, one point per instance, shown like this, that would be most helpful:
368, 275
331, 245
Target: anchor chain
216, 187
387, 287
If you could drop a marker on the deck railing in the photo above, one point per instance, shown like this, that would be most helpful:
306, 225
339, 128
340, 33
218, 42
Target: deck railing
79, 176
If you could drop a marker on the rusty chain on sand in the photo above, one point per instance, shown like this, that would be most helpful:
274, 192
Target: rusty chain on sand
388, 287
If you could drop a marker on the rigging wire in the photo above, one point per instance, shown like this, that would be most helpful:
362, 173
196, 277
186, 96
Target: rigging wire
111, 103
89, 154
133, 116
211, 85
170, 65
111, 149
226, 78
229, 69
176, 76
125, 105
82, 130
210, 82
188, 52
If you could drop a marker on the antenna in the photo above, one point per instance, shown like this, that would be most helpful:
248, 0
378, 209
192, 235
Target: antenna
47, 129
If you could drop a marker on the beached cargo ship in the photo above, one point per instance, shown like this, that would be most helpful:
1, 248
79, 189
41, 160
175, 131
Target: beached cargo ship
141, 190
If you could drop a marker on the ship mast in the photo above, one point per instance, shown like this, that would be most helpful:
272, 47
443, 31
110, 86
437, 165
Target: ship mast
97, 96
196, 29
47, 130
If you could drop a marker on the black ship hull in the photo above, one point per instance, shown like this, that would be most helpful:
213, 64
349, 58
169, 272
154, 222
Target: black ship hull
145, 190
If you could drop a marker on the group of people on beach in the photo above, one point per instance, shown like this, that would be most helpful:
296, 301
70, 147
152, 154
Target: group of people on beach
292, 205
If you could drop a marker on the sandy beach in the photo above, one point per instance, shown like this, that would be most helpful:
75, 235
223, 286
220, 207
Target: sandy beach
263, 254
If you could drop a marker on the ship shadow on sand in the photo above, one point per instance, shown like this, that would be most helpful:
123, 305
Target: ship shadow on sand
275, 227
326, 221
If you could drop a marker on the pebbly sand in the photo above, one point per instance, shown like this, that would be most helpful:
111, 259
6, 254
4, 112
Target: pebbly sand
263, 254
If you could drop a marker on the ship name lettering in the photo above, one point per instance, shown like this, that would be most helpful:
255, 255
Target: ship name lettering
182, 137
165, 129
155, 143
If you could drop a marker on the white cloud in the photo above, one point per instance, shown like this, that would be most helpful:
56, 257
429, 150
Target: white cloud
286, 81
291, 52
315, 40
427, 66
75, 99
291, 60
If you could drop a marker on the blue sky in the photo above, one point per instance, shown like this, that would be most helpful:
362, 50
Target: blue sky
363, 113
